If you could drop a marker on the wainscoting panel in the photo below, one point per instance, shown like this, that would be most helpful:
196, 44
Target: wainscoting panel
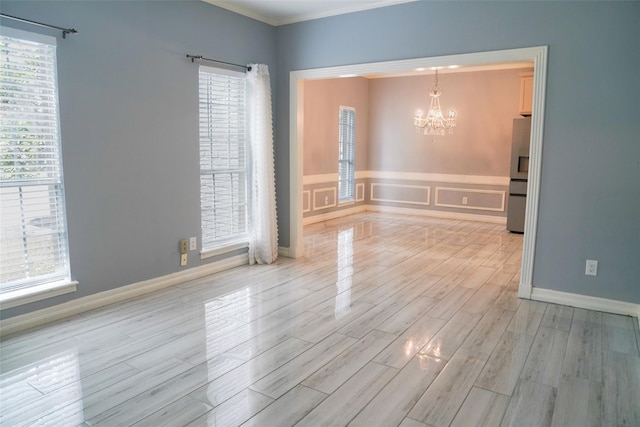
401, 193
306, 201
468, 198
360, 192
444, 195
324, 198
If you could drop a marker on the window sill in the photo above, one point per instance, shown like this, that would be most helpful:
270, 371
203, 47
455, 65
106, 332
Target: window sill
36, 293
226, 248
346, 202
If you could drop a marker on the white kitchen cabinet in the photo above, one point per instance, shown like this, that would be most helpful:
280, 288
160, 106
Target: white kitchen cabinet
526, 93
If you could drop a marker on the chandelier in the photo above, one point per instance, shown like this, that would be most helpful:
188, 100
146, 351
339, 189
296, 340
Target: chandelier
434, 123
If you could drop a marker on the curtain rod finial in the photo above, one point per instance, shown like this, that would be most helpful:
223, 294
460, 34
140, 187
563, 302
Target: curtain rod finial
68, 31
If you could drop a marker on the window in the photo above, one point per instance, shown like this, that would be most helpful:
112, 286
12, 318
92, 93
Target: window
346, 155
223, 157
33, 241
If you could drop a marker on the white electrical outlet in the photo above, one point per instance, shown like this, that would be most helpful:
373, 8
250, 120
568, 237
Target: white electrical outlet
464, 200
591, 268
183, 260
193, 243
326, 200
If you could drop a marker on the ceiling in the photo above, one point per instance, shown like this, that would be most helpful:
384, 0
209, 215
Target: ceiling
281, 12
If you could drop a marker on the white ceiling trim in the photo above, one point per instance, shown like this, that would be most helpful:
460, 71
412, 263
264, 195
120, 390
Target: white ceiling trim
241, 10
293, 14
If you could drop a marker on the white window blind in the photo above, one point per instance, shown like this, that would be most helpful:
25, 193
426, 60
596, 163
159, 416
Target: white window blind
346, 166
223, 157
33, 241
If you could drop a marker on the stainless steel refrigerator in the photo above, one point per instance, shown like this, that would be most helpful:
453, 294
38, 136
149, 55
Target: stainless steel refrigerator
519, 173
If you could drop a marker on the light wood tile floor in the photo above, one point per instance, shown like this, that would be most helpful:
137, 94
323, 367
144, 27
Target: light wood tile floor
389, 320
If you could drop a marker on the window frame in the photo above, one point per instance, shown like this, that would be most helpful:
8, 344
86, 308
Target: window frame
41, 286
346, 155
226, 244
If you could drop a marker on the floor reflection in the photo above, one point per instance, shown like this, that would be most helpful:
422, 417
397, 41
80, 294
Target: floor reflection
345, 272
217, 350
52, 383
221, 334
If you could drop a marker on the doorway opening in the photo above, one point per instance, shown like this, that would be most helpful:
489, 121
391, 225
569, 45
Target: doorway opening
536, 55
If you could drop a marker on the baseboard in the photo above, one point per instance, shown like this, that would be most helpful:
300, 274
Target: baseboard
91, 302
284, 251
334, 214
524, 291
585, 301
438, 214
404, 211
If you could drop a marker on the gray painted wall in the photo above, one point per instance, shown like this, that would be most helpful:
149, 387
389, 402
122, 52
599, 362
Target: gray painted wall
129, 123
590, 191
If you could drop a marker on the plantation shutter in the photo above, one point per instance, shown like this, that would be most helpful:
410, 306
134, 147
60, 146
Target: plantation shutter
346, 166
223, 156
33, 241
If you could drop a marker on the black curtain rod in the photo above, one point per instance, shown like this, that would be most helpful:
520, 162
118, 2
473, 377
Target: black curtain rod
201, 58
65, 31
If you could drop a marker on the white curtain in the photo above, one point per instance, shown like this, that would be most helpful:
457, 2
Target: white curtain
263, 242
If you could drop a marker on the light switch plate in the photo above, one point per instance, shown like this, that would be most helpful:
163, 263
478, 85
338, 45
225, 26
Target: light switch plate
183, 260
193, 243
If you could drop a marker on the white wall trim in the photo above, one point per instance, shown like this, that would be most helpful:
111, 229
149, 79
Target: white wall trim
37, 293
537, 54
410, 202
471, 190
362, 174
585, 301
411, 176
438, 214
91, 302
306, 194
321, 190
221, 250
524, 291
296, 163
360, 188
535, 170
404, 211
440, 177
326, 178
284, 252
334, 214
